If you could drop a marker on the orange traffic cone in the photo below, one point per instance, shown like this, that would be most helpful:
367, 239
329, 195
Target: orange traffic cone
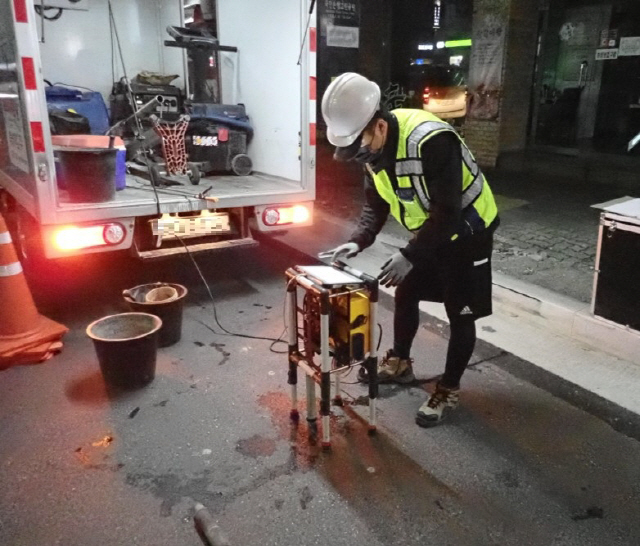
25, 335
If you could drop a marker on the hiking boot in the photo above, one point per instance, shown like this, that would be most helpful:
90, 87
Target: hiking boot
391, 369
435, 409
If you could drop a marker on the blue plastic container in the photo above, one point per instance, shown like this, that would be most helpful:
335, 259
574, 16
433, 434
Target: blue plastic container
121, 169
90, 105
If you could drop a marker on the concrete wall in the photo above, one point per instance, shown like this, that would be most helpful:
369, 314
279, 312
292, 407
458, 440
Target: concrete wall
483, 138
518, 74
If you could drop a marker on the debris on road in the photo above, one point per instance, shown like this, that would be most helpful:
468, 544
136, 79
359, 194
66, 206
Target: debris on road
207, 529
105, 442
593, 512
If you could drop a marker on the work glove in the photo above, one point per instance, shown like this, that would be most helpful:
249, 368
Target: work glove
395, 270
347, 250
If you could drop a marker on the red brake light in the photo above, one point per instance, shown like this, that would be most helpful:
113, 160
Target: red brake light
426, 95
279, 216
70, 238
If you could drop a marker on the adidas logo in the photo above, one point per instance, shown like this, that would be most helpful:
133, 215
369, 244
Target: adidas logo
466, 311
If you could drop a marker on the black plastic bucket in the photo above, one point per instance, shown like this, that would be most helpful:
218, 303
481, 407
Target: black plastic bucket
170, 311
89, 174
126, 345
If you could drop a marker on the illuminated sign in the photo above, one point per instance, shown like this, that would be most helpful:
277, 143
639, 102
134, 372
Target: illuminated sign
442, 45
458, 43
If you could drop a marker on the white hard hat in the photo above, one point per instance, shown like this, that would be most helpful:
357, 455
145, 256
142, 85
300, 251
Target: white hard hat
349, 103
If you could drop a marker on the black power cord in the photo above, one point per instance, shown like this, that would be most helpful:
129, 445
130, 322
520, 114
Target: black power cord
306, 30
226, 332
134, 106
41, 12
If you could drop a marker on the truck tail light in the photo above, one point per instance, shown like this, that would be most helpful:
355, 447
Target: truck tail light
280, 216
76, 237
426, 95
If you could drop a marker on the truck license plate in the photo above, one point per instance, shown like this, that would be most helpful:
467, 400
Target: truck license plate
205, 140
196, 226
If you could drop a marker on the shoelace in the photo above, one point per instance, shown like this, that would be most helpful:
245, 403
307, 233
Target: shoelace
438, 397
386, 358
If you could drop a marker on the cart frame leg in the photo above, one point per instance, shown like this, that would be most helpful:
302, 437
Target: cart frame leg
292, 327
373, 365
325, 375
312, 410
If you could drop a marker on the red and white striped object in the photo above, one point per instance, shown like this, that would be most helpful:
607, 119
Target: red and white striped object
22, 11
313, 48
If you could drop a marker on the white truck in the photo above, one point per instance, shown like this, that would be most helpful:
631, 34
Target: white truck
76, 42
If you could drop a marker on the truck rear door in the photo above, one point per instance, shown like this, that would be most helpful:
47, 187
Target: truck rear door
26, 158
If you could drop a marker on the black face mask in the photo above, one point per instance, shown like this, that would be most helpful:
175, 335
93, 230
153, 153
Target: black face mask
366, 155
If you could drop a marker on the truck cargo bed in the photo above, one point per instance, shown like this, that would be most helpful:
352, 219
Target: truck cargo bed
139, 199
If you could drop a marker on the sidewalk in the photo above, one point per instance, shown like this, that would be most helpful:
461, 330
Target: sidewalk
548, 232
554, 333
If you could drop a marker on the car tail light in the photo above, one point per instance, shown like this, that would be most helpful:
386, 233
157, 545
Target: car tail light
426, 95
77, 237
280, 216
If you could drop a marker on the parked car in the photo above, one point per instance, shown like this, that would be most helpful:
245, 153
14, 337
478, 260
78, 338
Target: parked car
439, 89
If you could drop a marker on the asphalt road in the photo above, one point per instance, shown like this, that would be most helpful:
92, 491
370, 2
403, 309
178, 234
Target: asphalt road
81, 465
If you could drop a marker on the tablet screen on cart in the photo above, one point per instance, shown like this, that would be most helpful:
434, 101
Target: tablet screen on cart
328, 276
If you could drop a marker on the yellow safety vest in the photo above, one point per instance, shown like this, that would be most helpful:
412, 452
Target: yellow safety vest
407, 193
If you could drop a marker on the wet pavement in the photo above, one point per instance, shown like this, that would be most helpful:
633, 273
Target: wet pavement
81, 464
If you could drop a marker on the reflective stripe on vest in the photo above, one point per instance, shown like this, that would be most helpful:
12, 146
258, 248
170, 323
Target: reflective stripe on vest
422, 131
409, 167
426, 130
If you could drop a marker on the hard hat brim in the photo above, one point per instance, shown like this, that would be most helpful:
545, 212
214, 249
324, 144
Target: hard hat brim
341, 141
346, 153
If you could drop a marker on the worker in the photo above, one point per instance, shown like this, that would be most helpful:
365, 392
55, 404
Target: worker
419, 170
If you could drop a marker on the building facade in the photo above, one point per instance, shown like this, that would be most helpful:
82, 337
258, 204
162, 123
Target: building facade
569, 79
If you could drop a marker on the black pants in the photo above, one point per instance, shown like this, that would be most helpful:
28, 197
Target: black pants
459, 275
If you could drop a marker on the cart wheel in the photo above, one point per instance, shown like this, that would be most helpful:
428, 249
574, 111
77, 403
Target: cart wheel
242, 165
193, 173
